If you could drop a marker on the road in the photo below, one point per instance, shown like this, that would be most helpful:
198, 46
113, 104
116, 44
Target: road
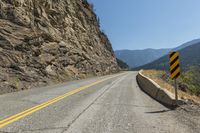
108, 104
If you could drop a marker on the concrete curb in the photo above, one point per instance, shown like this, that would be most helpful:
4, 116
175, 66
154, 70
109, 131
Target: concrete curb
155, 91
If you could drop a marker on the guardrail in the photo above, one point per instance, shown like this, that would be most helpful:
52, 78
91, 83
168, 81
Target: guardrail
155, 91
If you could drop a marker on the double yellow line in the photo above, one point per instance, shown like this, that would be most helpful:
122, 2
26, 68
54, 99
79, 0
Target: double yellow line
27, 112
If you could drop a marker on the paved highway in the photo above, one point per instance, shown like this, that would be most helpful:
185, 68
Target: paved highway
109, 104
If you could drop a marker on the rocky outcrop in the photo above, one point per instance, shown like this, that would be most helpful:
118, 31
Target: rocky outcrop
48, 41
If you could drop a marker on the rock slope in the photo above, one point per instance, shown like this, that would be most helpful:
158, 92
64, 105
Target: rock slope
48, 41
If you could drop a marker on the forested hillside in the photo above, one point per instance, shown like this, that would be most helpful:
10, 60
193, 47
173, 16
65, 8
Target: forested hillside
189, 56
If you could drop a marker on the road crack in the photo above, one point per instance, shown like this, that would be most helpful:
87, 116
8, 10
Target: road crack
78, 116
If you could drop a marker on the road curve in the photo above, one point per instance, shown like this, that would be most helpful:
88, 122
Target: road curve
109, 104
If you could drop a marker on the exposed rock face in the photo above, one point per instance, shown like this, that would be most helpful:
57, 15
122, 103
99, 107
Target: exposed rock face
44, 41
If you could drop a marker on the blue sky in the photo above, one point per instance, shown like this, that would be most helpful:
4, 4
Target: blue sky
140, 24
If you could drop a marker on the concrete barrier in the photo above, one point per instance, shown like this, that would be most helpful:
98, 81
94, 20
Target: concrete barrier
155, 91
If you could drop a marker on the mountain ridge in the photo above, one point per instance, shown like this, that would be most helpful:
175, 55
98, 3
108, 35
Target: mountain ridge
188, 56
140, 59
136, 58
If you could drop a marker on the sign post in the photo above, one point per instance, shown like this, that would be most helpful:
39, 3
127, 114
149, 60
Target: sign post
175, 70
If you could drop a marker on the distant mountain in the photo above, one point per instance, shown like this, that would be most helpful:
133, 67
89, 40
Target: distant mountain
135, 58
187, 44
189, 56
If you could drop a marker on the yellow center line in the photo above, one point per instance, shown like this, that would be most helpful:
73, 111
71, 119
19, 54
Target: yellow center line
27, 112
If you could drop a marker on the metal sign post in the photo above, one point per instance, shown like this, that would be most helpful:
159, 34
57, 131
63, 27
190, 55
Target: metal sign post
176, 90
175, 70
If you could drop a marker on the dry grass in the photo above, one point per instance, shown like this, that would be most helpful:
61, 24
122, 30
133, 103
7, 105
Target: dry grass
157, 77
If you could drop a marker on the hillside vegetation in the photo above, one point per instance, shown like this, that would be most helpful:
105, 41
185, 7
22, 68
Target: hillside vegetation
188, 83
122, 64
190, 80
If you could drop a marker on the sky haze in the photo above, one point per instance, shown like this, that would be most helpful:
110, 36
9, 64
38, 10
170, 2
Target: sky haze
140, 24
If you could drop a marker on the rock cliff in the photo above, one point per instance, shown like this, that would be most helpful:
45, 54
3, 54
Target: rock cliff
48, 41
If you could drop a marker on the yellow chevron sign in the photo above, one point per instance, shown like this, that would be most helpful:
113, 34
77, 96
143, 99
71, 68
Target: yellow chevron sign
174, 65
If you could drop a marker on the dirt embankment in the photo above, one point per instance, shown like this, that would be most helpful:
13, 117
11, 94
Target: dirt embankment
160, 78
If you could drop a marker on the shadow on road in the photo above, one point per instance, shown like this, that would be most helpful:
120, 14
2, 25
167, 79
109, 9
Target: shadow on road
160, 111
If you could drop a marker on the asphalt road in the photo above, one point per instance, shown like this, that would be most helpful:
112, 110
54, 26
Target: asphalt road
109, 104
